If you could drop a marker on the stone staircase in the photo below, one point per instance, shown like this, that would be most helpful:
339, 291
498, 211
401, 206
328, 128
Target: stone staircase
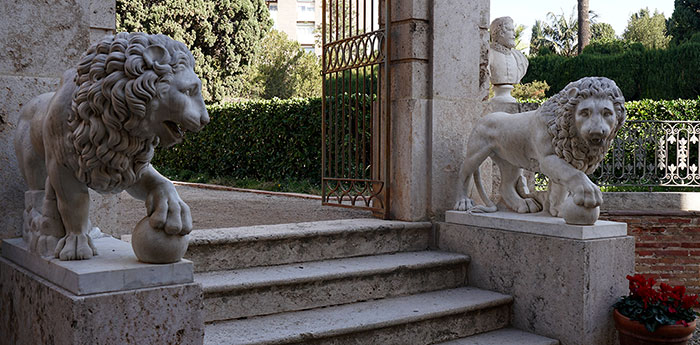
359, 281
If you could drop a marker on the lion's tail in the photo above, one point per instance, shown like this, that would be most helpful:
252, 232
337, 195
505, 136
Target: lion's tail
490, 206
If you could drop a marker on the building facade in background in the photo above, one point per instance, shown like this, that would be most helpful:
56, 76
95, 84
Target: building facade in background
298, 19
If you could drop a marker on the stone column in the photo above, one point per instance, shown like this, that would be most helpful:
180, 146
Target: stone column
439, 85
459, 92
39, 41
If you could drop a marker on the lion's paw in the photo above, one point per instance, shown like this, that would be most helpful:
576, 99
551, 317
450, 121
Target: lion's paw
528, 205
46, 244
464, 204
75, 247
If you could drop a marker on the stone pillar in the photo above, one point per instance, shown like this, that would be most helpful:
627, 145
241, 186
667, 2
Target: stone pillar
439, 85
410, 92
564, 278
459, 92
109, 299
39, 41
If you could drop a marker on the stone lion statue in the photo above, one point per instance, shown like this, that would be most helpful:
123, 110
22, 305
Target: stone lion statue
129, 93
565, 139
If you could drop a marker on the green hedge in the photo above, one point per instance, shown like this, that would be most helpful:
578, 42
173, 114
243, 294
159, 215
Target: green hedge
262, 139
672, 110
640, 73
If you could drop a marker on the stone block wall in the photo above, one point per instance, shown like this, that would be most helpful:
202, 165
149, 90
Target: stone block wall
39, 41
667, 244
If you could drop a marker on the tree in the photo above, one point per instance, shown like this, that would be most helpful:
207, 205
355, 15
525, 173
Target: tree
283, 69
584, 25
647, 29
602, 33
562, 33
685, 20
223, 35
538, 42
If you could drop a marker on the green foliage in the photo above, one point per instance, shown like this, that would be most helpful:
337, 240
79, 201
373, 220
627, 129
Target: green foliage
560, 35
611, 47
640, 73
602, 33
532, 90
670, 110
283, 69
262, 139
685, 21
223, 35
647, 29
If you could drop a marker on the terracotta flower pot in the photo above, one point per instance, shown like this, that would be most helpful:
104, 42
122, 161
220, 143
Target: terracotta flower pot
634, 333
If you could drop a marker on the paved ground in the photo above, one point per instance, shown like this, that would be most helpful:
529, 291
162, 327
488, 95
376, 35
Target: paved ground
221, 209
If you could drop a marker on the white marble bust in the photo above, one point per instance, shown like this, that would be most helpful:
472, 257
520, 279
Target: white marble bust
506, 64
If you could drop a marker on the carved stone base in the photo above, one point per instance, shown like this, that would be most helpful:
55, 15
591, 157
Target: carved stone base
110, 299
564, 278
502, 94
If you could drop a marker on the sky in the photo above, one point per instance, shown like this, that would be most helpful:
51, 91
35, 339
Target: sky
613, 12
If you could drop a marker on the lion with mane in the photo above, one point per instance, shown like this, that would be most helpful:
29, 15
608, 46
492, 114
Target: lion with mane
565, 139
130, 92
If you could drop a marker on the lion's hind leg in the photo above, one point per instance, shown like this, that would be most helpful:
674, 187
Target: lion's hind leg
469, 172
510, 177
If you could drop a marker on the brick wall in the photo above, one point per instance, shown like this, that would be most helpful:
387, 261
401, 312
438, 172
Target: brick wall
667, 244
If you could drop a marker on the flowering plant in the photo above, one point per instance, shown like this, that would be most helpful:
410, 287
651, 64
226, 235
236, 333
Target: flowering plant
667, 305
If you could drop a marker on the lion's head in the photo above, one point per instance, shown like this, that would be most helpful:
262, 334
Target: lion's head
582, 120
133, 91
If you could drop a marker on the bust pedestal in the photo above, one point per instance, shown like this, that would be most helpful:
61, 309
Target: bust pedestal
502, 94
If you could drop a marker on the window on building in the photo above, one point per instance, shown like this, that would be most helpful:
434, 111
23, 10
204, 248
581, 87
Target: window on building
309, 48
306, 11
305, 33
273, 14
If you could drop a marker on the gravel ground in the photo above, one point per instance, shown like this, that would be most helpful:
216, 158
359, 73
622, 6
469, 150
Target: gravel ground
223, 209
696, 338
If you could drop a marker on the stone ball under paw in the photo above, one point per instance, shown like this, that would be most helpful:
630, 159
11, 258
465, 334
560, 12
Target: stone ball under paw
154, 246
579, 215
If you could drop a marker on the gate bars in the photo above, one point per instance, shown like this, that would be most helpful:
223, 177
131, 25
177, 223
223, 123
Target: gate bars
356, 112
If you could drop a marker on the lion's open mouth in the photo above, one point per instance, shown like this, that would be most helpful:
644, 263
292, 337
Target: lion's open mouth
175, 129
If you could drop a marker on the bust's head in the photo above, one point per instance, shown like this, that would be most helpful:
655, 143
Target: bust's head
503, 32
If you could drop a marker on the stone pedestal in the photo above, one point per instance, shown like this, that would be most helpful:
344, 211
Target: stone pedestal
564, 278
109, 299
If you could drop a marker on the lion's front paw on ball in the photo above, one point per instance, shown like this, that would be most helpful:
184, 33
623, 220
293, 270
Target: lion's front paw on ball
155, 246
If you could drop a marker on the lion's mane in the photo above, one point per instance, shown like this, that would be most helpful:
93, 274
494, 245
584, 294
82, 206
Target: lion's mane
558, 115
115, 86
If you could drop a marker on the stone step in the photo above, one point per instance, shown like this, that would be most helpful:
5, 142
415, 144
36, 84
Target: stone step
506, 336
419, 319
274, 289
264, 245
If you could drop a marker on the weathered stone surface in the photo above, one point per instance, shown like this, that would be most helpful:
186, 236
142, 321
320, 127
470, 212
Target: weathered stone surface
451, 120
506, 336
563, 288
54, 40
275, 289
38, 312
403, 10
458, 36
231, 248
409, 197
537, 224
14, 92
634, 201
411, 40
114, 269
417, 319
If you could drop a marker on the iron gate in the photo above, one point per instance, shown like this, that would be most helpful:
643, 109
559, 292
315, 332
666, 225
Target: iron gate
355, 110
